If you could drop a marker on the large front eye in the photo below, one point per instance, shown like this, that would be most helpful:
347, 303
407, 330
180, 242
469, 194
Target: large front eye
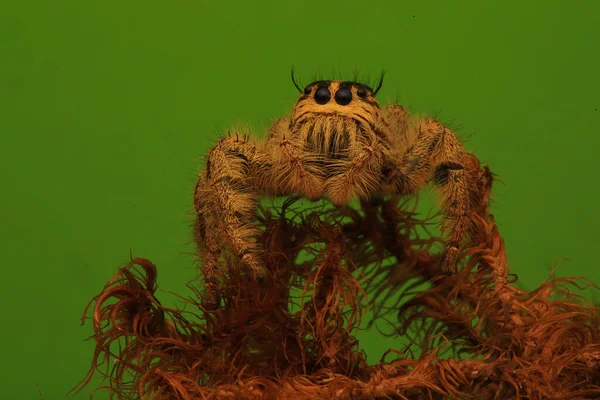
343, 97
322, 95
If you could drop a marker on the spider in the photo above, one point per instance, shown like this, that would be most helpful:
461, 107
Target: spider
339, 144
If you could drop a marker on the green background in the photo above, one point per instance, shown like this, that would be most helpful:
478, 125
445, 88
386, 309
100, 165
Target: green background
107, 106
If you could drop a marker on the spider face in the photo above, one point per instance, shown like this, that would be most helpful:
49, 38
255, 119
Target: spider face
336, 98
331, 116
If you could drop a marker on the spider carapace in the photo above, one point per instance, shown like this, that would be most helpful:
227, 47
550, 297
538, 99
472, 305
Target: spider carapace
338, 143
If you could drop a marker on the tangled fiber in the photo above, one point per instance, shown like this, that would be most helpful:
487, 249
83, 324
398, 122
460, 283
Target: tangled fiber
293, 336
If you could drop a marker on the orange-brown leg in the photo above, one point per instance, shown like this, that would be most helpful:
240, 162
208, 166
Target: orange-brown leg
359, 177
225, 201
294, 171
437, 155
237, 172
210, 250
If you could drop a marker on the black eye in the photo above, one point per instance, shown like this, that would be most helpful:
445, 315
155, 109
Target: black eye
322, 95
307, 90
361, 91
343, 97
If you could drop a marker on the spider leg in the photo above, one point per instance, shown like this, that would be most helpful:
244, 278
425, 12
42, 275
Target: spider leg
208, 245
437, 155
225, 200
296, 170
359, 177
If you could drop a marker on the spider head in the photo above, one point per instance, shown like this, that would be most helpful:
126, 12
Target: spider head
335, 101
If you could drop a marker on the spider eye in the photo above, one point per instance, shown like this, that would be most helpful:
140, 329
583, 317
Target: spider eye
343, 97
307, 90
361, 92
322, 95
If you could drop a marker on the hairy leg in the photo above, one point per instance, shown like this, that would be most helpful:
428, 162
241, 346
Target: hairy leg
295, 171
435, 153
237, 172
359, 177
208, 241
225, 201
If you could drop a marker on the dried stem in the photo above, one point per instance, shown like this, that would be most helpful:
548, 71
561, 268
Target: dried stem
294, 335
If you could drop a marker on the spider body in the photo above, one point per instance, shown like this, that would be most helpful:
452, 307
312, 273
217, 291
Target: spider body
337, 131
339, 144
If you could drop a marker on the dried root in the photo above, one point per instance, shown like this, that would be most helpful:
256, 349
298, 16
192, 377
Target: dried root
293, 335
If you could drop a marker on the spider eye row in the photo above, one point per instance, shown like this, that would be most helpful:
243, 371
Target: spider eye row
343, 96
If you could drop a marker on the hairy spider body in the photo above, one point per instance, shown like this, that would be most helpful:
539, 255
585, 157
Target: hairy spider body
340, 144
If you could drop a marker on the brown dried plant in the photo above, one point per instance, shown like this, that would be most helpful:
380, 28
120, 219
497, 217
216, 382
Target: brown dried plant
294, 336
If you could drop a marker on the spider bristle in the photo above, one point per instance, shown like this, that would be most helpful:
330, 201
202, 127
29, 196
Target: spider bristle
294, 79
379, 83
367, 81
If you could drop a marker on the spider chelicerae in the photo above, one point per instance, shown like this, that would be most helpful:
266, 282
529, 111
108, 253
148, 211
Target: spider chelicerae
340, 144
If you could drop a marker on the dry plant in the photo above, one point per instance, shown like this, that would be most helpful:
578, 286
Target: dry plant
293, 336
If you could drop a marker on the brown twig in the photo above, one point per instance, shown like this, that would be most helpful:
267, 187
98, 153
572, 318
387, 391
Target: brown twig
294, 336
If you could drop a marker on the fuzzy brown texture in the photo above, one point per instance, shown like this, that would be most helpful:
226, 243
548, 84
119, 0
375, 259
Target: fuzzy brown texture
293, 336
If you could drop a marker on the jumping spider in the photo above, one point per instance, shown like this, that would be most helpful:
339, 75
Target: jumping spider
339, 144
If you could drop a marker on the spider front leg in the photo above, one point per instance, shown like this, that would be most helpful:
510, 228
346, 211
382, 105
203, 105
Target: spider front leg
437, 155
208, 245
225, 201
